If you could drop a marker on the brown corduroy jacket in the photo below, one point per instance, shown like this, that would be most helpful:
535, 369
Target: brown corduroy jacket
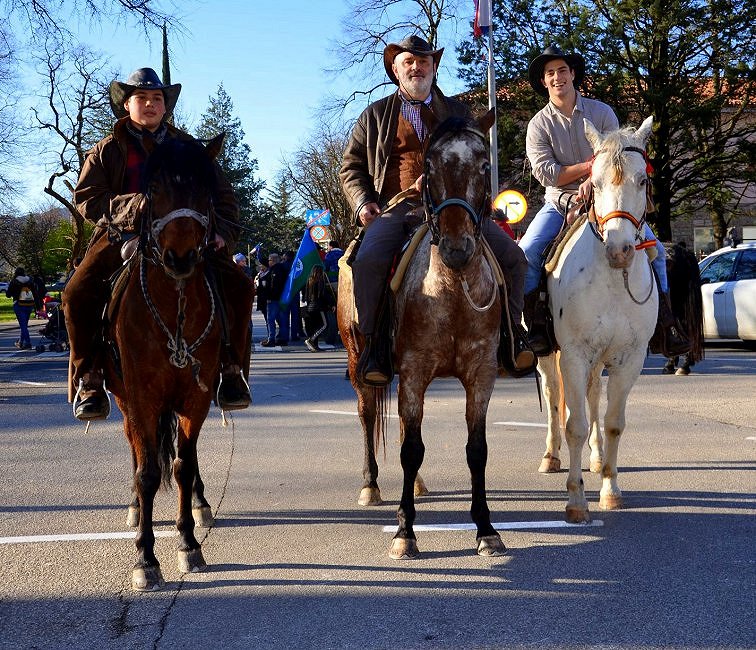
363, 166
99, 193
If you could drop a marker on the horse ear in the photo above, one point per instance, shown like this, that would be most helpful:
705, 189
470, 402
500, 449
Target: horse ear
644, 130
594, 137
213, 148
486, 121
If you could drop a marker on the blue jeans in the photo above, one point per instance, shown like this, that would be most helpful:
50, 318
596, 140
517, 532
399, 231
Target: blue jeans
546, 226
22, 316
277, 315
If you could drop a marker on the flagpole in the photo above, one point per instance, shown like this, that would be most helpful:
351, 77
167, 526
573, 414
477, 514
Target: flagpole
492, 104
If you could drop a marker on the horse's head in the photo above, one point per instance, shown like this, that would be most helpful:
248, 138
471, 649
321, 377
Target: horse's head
457, 186
180, 184
620, 189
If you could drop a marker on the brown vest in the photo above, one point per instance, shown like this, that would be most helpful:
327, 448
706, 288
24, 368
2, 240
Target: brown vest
405, 163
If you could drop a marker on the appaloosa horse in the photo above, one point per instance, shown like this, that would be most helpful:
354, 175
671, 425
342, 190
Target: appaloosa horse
447, 318
604, 302
167, 334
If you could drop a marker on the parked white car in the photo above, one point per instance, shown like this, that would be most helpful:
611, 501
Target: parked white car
3, 287
728, 289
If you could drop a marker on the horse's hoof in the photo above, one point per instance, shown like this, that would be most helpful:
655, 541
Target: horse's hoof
420, 488
596, 466
203, 517
576, 515
610, 501
191, 561
682, 371
491, 546
370, 497
132, 517
147, 578
403, 549
550, 465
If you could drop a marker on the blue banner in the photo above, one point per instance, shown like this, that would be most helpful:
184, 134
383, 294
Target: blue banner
307, 256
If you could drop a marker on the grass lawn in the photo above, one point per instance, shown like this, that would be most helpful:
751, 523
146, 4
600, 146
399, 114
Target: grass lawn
6, 309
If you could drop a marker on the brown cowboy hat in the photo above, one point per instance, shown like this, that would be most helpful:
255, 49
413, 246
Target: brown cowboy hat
145, 79
413, 44
535, 71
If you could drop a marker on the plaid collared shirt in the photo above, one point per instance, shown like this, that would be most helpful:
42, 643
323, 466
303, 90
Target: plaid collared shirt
411, 113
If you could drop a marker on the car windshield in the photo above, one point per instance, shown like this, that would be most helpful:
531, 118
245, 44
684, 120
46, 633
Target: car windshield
746, 265
720, 268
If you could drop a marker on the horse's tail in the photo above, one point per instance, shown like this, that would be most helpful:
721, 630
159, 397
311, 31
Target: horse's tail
382, 396
166, 434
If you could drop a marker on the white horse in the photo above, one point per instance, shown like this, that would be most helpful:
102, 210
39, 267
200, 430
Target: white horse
604, 302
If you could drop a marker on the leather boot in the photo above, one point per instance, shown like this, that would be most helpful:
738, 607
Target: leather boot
233, 390
91, 401
374, 367
538, 320
516, 358
668, 338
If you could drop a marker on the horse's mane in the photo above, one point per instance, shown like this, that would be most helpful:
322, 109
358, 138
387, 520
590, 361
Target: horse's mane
614, 145
182, 163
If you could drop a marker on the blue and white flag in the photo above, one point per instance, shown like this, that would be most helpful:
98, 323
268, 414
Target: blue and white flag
482, 22
307, 256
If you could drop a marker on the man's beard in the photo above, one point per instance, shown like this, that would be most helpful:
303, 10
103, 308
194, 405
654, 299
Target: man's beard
417, 87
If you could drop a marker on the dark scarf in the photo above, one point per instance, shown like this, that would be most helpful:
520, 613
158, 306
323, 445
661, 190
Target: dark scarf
136, 155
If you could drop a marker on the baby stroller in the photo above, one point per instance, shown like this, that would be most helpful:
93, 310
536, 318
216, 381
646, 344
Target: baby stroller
54, 330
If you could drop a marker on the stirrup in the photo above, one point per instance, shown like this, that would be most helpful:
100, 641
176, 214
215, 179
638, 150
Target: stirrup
100, 414
238, 402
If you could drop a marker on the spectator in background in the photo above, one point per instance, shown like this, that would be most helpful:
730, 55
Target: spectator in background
331, 261
319, 299
240, 259
277, 316
262, 282
26, 297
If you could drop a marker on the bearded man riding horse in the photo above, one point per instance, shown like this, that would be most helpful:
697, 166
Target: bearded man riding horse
110, 194
384, 157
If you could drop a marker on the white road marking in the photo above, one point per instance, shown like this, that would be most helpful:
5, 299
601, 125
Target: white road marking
509, 525
79, 537
27, 383
538, 425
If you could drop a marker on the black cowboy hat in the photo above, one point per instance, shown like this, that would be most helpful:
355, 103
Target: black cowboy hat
145, 79
413, 44
535, 71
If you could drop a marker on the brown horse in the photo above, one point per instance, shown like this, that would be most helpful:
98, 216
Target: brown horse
167, 334
447, 316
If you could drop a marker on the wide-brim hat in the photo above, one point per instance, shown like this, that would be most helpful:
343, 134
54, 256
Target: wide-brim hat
537, 65
413, 44
143, 79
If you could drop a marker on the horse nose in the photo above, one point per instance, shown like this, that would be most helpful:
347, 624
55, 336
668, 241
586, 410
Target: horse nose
456, 254
180, 266
620, 256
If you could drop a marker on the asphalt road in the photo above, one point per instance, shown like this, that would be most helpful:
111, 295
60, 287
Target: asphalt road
296, 563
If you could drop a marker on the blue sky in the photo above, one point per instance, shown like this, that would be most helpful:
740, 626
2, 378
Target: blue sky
270, 57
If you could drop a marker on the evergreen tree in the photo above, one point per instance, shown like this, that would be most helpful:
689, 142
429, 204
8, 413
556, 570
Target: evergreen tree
236, 161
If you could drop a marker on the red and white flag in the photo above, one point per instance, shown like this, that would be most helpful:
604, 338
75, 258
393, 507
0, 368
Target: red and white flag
482, 22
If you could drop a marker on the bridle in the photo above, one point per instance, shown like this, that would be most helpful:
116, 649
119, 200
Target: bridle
433, 211
600, 222
180, 351
639, 224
